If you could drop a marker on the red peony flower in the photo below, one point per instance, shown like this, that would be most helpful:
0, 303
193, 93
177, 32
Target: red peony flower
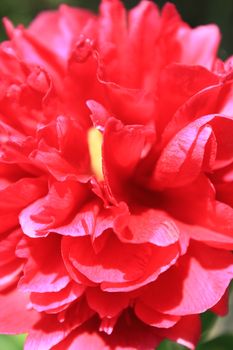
116, 166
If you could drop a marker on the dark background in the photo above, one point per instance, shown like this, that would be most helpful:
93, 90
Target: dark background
195, 12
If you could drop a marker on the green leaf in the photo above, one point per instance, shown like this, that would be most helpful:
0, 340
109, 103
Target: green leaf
224, 342
169, 345
207, 319
12, 342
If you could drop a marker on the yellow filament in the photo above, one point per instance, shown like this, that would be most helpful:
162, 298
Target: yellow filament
95, 140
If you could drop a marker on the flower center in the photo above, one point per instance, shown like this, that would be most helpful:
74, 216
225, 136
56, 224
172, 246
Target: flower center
95, 140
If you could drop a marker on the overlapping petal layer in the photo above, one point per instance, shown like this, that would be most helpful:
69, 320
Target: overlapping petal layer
116, 158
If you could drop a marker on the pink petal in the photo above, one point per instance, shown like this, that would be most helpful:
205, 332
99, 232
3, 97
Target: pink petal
154, 318
30, 49
191, 291
202, 107
140, 263
39, 218
222, 307
131, 335
179, 82
39, 275
112, 23
146, 225
106, 304
216, 230
8, 242
186, 332
84, 222
117, 164
185, 156
67, 25
9, 273
49, 331
205, 39
209, 236
193, 203
17, 196
16, 317
52, 302
55, 152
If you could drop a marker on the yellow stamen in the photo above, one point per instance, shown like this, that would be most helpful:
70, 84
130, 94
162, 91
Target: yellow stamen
95, 140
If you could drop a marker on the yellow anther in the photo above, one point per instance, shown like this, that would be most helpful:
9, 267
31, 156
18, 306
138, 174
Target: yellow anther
95, 140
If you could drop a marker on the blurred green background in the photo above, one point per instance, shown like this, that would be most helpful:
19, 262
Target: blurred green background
218, 333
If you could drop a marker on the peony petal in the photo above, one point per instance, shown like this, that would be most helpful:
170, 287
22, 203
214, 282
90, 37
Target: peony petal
125, 216
41, 217
178, 82
8, 243
106, 304
117, 165
185, 156
49, 331
58, 167
193, 203
9, 274
67, 24
10, 65
142, 19
217, 230
84, 222
146, 225
29, 49
222, 307
10, 265
99, 114
92, 220
113, 27
39, 276
84, 338
154, 318
205, 39
55, 152
208, 236
17, 196
13, 302
126, 336
200, 264
52, 302
140, 263
186, 332
202, 107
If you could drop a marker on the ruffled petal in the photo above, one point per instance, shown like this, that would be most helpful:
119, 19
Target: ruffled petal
205, 39
16, 196
191, 291
154, 318
58, 29
106, 304
51, 330
15, 303
131, 335
41, 217
140, 263
186, 332
54, 302
179, 82
146, 225
39, 275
